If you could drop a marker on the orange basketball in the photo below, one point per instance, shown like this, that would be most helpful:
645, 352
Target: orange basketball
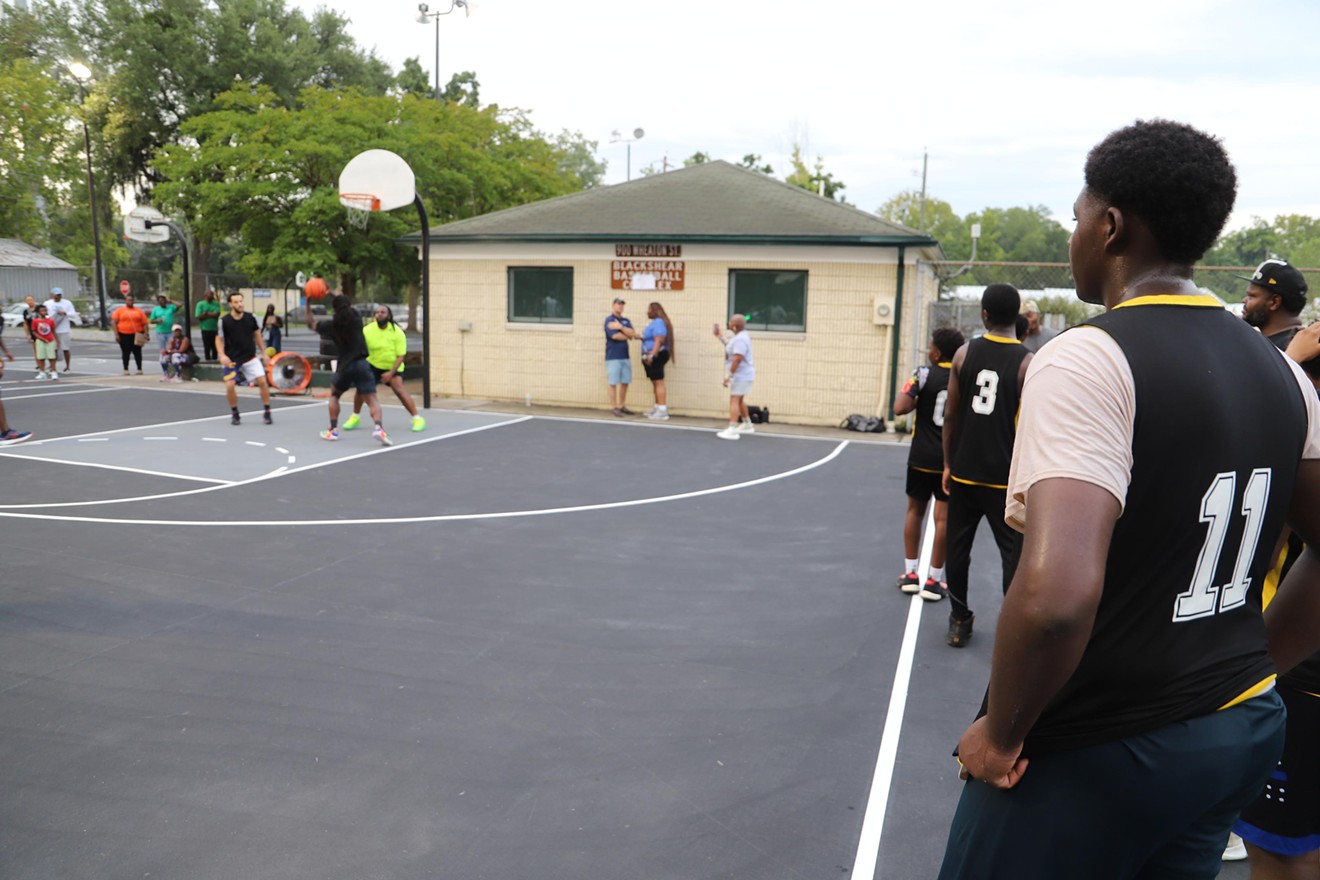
316, 288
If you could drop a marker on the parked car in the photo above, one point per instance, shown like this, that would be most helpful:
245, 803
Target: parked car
13, 314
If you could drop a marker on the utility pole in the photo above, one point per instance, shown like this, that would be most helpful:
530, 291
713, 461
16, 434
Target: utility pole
924, 156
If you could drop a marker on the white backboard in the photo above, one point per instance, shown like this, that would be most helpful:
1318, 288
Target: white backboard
382, 174
135, 226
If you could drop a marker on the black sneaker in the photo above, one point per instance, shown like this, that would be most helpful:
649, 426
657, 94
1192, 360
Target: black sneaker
909, 583
933, 590
267, 419
235, 420
960, 631
626, 411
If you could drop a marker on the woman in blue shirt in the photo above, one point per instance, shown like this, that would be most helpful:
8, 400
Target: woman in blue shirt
658, 350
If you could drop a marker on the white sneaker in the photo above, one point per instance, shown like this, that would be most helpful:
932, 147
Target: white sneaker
729, 433
658, 415
1236, 850
55, 376
41, 374
746, 428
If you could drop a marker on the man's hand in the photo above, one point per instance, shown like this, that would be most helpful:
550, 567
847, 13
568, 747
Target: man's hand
1305, 344
614, 325
985, 762
946, 482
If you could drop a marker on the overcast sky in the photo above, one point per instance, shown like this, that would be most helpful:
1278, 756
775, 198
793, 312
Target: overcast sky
1007, 97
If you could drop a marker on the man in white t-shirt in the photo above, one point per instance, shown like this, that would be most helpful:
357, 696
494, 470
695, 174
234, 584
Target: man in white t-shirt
65, 316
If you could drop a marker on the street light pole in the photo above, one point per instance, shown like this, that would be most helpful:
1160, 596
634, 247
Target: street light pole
81, 73
423, 14
637, 135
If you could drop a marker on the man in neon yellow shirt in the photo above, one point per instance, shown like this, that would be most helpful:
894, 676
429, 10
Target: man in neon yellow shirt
386, 347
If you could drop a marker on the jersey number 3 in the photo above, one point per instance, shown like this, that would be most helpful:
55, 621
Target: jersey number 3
1203, 598
984, 402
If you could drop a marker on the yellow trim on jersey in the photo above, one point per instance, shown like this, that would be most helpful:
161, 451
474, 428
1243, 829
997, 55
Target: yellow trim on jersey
1172, 299
926, 470
1004, 339
1255, 690
974, 483
948, 365
1271, 583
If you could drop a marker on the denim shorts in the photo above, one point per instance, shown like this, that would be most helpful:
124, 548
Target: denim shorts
618, 371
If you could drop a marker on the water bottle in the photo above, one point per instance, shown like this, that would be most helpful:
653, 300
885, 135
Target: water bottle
527, 401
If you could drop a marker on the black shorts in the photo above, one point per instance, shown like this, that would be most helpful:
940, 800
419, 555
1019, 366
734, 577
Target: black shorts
1285, 819
655, 367
354, 374
921, 485
378, 373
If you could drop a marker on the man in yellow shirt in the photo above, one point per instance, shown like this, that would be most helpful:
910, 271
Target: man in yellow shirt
386, 347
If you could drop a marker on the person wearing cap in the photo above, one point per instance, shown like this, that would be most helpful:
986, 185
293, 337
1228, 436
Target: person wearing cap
64, 315
178, 354
618, 367
1036, 335
1274, 301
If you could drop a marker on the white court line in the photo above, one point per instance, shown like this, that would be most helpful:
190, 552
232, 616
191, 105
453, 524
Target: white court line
108, 467
453, 517
156, 426
280, 471
61, 392
873, 821
82, 440
254, 443
160, 438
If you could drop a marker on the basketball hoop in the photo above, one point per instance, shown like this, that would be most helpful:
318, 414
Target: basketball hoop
360, 206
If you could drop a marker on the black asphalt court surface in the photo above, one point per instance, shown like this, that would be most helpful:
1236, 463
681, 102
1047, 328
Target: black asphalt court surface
506, 647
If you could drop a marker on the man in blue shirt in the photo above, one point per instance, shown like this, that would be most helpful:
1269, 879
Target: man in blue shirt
618, 368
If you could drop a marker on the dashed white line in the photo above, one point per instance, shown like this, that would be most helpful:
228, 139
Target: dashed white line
281, 450
292, 459
254, 443
93, 440
160, 438
214, 440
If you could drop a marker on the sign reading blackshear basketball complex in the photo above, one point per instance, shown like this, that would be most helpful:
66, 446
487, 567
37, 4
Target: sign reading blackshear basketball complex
647, 267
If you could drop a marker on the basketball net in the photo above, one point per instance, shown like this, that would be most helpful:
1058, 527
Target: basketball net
360, 206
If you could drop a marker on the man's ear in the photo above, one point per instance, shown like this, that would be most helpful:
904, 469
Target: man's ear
1116, 230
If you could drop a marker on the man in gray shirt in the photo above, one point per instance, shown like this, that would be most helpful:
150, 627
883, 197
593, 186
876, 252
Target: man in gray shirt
1036, 335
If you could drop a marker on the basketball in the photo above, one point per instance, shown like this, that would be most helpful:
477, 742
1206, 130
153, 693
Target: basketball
316, 288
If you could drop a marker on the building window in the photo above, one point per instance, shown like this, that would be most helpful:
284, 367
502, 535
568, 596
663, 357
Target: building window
770, 299
540, 295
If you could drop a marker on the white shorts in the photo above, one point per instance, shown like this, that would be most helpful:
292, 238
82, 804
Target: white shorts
739, 387
63, 339
252, 371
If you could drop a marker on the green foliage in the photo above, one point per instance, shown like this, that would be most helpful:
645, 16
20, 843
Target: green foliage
578, 159
815, 180
752, 162
1291, 237
270, 172
697, 158
412, 80
941, 223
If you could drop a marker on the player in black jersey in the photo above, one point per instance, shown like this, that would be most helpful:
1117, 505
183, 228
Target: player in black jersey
1131, 710
979, 425
1281, 827
925, 393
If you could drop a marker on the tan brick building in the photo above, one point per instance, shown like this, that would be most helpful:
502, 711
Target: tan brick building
519, 297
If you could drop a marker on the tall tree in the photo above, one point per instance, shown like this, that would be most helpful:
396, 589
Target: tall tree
281, 168
941, 223
816, 180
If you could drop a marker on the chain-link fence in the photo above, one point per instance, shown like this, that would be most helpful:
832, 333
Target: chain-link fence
1051, 286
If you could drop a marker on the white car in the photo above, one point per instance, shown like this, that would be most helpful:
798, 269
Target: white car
14, 314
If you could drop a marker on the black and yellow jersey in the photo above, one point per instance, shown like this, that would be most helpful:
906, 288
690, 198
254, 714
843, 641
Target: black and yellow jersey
987, 411
929, 385
1178, 632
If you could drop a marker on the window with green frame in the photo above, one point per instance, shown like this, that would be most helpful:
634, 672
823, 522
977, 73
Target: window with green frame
541, 294
769, 298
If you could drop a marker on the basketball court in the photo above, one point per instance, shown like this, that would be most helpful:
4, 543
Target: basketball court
508, 646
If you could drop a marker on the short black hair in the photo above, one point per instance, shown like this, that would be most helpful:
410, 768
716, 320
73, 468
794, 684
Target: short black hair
1001, 302
1022, 325
1179, 180
948, 340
